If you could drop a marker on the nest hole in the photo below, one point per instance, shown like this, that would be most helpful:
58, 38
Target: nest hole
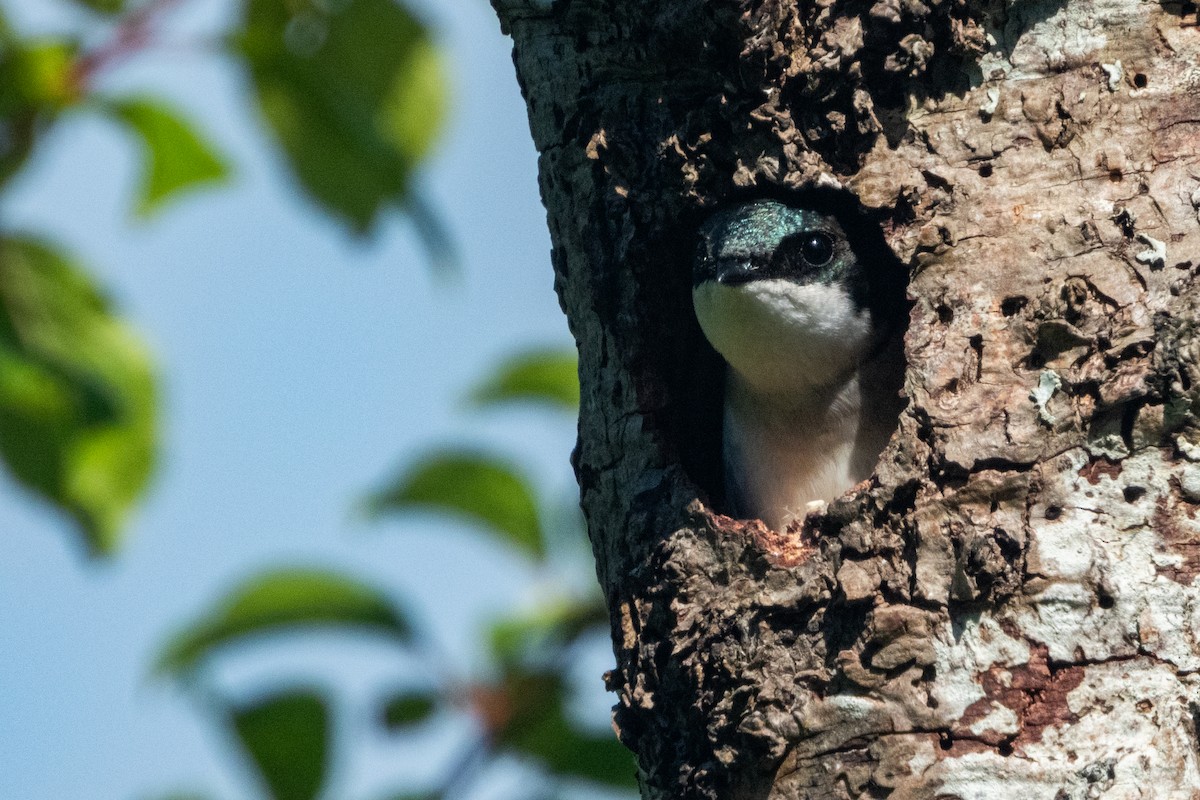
695, 372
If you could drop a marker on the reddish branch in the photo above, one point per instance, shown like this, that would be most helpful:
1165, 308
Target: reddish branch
133, 33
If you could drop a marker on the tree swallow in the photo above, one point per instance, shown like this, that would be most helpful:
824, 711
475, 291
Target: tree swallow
807, 321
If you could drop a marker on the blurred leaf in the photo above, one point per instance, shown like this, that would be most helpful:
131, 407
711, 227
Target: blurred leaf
410, 708
103, 6
37, 81
38, 72
354, 92
287, 736
17, 134
547, 376
539, 728
77, 395
281, 601
175, 157
526, 639
482, 488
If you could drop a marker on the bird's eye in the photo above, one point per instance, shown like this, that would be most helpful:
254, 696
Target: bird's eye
816, 248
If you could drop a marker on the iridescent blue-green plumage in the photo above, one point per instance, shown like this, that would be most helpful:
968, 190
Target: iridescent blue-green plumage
768, 239
757, 227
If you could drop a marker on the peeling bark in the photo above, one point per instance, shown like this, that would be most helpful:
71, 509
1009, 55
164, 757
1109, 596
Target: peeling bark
1011, 606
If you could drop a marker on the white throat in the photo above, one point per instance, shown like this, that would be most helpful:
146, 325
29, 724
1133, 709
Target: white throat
784, 337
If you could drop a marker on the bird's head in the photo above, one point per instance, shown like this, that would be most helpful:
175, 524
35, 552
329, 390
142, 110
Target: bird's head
781, 294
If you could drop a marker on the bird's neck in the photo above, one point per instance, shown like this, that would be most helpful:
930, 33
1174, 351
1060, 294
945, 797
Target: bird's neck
784, 338
793, 399
813, 442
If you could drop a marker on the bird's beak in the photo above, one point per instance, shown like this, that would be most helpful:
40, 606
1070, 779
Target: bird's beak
735, 272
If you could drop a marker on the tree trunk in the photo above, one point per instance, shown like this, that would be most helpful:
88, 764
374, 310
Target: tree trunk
1010, 607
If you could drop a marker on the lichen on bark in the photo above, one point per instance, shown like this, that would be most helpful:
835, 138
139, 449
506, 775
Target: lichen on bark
1011, 606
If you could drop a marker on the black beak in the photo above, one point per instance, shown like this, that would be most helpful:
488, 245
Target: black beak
735, 272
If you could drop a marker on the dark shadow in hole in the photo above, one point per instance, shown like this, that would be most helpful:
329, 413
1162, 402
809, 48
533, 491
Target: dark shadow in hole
1013, 304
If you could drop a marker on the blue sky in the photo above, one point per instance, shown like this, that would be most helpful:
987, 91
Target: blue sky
300, 367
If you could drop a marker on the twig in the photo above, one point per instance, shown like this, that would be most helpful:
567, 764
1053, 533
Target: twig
132, 34
464, 770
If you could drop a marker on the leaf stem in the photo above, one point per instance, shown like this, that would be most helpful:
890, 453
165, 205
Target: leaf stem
133, 33
462, 774
433, 234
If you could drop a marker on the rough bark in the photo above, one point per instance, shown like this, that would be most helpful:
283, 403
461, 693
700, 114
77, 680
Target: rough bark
1010, 608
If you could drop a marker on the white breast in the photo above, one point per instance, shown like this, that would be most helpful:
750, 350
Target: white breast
778, 460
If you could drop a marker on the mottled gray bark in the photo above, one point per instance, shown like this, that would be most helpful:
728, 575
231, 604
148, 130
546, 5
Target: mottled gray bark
1011, 607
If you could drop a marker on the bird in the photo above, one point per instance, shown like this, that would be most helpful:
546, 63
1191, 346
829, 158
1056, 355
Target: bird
808, 321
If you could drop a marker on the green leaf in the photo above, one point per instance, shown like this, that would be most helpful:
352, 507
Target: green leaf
19, 131
482, 488
533, 637
104, 6
287, 736
541, 376
408, 709
175, 157
77, 393
38, 83
539, 728
354, 92
282, 601
38, 73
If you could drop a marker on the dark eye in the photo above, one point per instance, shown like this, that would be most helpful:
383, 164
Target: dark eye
816, 248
